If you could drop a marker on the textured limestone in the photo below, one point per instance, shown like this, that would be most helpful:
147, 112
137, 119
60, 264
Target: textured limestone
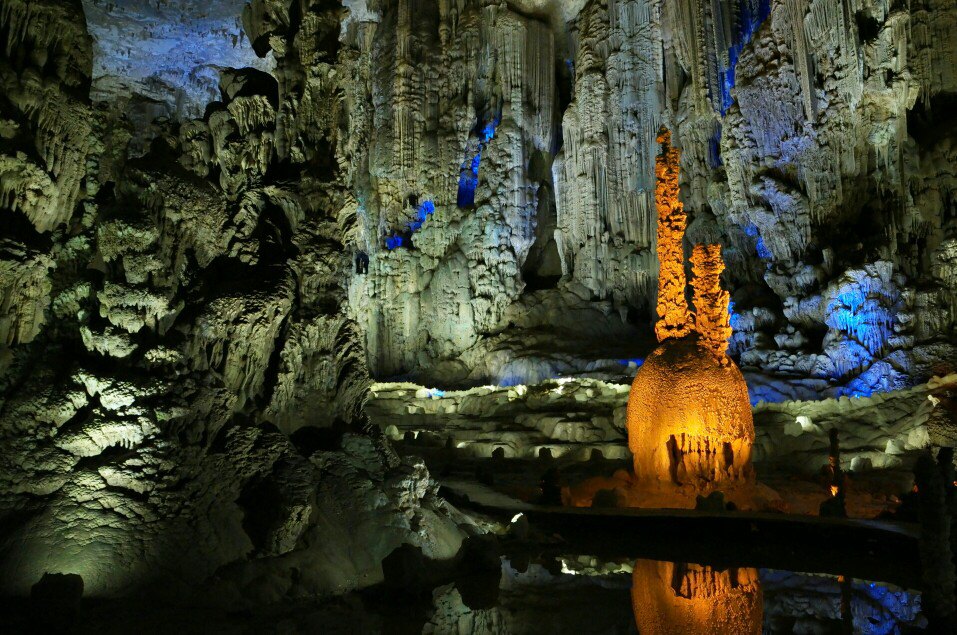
674, 319
160, 317
690, 428
45, 67
478, 157
604, 173
24, 293
574, 417
712, 322
509, 147
167, 54
565, 416
816, 142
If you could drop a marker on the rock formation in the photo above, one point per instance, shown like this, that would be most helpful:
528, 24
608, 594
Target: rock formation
689, 425
175, 336
163, 59
689, 418
711, 320
688, 598
493, 157
675, 320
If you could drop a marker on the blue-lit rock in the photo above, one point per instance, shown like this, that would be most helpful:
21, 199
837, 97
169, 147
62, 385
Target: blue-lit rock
168, 51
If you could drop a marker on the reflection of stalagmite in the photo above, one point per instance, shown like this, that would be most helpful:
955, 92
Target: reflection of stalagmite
690, 427
670, 597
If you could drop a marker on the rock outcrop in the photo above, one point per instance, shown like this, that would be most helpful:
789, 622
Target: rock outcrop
181, 387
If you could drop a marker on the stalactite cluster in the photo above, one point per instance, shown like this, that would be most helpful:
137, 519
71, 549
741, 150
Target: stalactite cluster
174, 334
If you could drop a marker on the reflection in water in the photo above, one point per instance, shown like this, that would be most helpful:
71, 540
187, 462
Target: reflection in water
670, 597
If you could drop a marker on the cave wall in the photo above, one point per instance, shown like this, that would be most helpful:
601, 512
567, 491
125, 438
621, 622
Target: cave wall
180, 384
454, 106
807, 151
165, 57
834, 205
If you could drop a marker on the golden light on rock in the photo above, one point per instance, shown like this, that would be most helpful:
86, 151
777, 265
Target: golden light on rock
712, 320
676, 598
672, 221
690, 428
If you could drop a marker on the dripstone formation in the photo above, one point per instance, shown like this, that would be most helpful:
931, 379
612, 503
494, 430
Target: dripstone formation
175, 336
690, 428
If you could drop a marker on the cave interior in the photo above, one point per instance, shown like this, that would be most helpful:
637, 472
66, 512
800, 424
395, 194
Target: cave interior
478, 316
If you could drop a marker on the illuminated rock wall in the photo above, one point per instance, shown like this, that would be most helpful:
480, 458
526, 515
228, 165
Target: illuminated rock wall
173, 334
813, 168
604, 172
789, 146
805, 130
166, 55
490, 149
455, 110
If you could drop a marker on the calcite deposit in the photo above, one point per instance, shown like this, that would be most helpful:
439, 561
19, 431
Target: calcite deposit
576, 417
173, 332
689, 420
689, 424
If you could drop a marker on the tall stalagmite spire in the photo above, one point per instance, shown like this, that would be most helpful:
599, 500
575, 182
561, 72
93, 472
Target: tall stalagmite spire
712, 320
674, 319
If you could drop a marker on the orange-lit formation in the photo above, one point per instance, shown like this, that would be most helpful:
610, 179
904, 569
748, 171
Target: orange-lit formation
687, 598
690, 427
711, 320
672, 221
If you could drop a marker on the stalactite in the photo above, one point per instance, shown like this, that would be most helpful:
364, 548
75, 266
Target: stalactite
604, 171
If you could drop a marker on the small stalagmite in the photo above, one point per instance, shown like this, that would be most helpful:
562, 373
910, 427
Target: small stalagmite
711, 319
690, 428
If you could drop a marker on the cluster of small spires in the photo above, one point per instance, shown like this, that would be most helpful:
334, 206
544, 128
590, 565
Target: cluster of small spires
711, 321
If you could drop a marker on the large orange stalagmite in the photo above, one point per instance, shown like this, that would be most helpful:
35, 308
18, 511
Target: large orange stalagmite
690, 428
674, 598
